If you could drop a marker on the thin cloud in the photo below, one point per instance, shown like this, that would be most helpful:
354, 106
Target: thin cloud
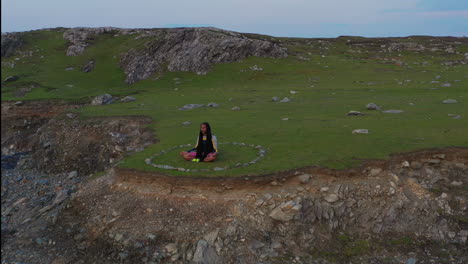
451, 13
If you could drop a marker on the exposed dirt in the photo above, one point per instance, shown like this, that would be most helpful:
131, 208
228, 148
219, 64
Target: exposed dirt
393, 211
59, 141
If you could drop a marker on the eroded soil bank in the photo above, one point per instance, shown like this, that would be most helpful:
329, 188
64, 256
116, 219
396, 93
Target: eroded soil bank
57, 140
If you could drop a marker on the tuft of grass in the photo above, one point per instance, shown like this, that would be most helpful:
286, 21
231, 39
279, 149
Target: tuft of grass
404, 241
357, 248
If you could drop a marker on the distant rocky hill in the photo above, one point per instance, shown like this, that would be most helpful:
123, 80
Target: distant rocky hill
178, 49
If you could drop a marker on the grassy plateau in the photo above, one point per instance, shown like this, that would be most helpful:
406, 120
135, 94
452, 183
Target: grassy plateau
330, 78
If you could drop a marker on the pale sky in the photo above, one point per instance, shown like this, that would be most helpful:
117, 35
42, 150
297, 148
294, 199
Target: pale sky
287, 18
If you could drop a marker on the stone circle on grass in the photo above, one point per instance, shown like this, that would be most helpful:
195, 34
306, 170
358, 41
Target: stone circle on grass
260, 154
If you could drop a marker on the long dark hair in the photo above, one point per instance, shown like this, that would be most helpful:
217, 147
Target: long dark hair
200, 154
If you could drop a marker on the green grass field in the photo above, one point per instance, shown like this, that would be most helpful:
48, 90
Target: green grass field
318, 131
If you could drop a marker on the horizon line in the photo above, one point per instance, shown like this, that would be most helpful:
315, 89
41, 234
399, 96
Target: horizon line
208, 26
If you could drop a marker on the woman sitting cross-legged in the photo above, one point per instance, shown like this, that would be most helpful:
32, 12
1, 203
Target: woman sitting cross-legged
206, 148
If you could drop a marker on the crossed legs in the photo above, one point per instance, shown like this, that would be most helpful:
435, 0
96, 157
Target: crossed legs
191, 155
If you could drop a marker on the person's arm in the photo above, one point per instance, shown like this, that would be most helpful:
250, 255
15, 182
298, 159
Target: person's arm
215, 143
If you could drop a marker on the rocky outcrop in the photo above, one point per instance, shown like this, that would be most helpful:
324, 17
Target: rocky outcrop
79, 37
177, 49
10, 43
194, 50
408, 46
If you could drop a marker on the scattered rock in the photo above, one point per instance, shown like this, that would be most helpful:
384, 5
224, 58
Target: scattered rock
324, 189
360, 131
285, 100
213, 105
456, 183
372, 106
392, 111
19, 103
151, 237
190, 106
89, 66
256, 68
71, 115
275, 99
293, 92
433, 161
450, 101
255, 245
127, 99
171, 248
11, 78
72, 174
102, 99
285, 211
211, 237
331, 198
186, 123
205, 254
235, 108
304, 178
61, 196
354, 113
375, 171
